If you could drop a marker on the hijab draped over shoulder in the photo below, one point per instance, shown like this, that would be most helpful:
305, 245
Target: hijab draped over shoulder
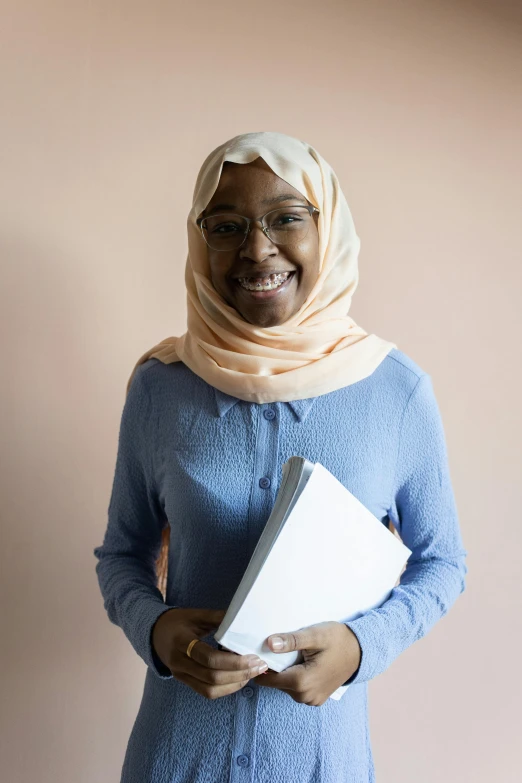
320, 348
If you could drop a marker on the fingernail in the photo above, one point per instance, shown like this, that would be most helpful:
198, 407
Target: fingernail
254, 660
277, 643
262, 669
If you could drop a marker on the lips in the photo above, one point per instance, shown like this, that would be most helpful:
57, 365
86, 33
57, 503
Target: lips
264, 273
266, 294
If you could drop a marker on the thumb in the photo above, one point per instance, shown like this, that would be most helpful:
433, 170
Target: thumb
303, 639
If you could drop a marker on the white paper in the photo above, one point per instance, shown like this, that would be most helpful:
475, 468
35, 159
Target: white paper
333, 560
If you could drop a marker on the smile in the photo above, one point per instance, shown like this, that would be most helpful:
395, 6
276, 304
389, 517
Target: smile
263, 287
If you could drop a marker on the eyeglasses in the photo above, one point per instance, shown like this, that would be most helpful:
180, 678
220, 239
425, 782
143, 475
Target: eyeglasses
282, 226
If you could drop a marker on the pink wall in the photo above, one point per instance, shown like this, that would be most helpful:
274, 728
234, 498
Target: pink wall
108, 109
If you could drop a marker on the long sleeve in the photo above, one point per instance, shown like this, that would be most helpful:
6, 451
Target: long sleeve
126, 560
424, 512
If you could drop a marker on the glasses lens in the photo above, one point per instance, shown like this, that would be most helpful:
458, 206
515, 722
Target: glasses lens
224, 232
288, 225
285, 226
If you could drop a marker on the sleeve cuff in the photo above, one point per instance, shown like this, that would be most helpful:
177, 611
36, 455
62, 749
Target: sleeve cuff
364, 628
149, 615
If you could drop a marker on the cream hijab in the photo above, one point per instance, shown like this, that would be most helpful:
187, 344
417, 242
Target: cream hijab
320, 348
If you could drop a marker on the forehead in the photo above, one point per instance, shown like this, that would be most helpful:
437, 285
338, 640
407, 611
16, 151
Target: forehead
252, 181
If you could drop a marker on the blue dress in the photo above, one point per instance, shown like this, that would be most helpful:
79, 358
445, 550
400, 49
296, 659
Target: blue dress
195, 456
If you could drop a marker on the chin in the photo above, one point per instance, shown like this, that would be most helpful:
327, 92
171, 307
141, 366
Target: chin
265, 320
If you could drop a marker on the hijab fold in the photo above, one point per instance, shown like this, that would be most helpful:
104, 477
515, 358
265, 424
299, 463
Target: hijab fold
316, 351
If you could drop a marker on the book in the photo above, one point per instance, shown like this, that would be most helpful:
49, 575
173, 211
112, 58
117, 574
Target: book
322, 556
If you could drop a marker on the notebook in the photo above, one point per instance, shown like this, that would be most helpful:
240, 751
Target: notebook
322, 556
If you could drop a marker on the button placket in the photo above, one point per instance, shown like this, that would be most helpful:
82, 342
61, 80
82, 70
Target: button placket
265, 469
242, 760
266, 444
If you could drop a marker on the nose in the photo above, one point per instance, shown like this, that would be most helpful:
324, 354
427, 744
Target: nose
257, 246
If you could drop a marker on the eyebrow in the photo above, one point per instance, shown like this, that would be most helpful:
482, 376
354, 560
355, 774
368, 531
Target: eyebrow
266, 201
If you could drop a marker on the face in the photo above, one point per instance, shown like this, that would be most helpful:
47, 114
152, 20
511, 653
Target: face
252, 190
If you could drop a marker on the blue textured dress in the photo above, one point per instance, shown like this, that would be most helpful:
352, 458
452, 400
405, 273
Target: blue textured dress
195, 456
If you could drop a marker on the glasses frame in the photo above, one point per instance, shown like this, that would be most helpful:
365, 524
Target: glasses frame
261, 219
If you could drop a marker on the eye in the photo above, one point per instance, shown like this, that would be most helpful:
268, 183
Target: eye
225, 228
286, 219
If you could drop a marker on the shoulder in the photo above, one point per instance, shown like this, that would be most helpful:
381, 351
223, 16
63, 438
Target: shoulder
399, 384
419, 407
168, 383
400, 364
154, 372
400, 375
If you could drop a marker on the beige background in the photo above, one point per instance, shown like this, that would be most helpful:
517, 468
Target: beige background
108, 110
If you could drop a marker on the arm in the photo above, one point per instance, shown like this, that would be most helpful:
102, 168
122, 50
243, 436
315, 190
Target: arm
424, 512
126, 560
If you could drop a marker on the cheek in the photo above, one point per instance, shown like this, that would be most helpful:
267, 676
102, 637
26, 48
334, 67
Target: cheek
218, 270
310, 269
308, 283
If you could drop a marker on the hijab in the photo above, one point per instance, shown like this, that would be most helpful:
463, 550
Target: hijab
318, 349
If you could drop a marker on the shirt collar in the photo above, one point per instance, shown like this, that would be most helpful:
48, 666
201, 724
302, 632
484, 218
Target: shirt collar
224, 402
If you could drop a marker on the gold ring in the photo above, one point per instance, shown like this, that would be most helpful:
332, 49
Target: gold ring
191, 645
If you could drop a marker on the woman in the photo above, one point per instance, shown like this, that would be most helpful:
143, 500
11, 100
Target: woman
271, 366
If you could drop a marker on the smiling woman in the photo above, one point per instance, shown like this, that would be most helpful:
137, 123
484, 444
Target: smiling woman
271, 366
265, 271
301, 341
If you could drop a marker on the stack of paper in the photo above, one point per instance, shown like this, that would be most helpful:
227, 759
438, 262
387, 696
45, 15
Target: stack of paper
322, 556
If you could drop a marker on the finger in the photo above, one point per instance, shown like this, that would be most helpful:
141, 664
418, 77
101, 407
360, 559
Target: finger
292, 679
210, 657
210, 691
299, 694
309, 638
274, 684
269, 680
215, 676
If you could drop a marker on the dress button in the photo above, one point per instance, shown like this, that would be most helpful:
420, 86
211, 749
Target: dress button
269, 414
264, 482
248, 691
242, 760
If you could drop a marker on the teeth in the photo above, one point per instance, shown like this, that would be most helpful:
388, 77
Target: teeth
264, 283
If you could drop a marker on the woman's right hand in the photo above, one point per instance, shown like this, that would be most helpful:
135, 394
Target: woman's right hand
210, 672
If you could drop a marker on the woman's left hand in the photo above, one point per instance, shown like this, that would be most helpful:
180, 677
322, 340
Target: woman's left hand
331, 654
